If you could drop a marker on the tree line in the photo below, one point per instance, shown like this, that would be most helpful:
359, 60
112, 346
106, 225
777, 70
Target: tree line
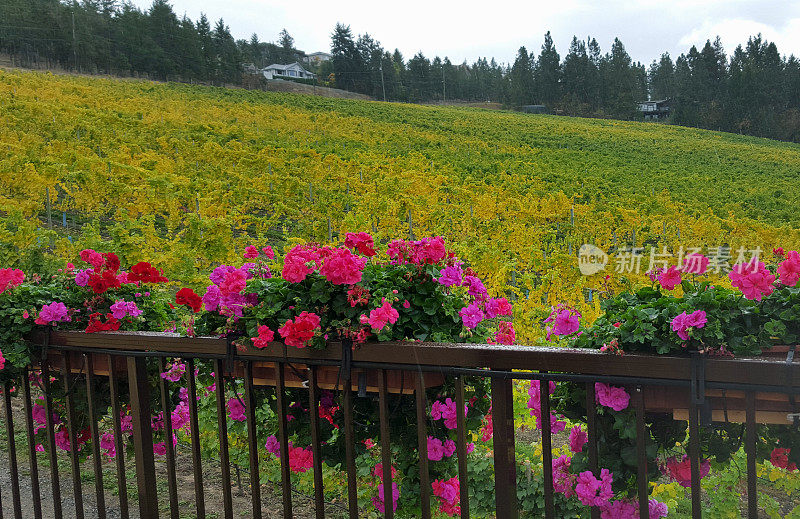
104, 36
754, 91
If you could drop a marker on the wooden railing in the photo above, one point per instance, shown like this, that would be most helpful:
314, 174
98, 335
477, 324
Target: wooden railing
126, 354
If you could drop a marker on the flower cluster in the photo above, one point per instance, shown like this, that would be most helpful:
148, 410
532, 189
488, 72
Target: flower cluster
535, 406
753, 279
563, 322
780, 458
121, 309
426, 251
446, 411
448, 491
187, 297
301, 330
681, 470
683, 323
614, 397
9, 278
53, 313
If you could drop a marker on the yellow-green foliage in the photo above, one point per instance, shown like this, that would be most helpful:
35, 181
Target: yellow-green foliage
187, 176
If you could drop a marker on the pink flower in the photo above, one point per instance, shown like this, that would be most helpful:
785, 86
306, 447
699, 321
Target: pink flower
212, 297
122, 308
53, 313
620, 509
377, 502
300, 459
449, 447
180, 416
471, 315
92, 257
565, 322
361, 241
82, 277
435, 449
406, 304
265, 336
250, 252
174, 372
160, 448
273, 446
342, 267
671, 278
236, 410
592, 491
299, 262
788, 270
107, 444
657, 509
476, 288
62, 439
753, 279
695, 264
383, 315
683, 323
447, 412
681, 471
233, 283
563, 479
614, 397
449, 493
450, 276
494, 307
9, 278
577, 439
505, 334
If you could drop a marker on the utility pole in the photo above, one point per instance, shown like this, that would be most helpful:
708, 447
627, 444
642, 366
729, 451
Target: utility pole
383, 84
444, 97
74, 48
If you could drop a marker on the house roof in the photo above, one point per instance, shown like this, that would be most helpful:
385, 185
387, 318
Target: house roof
295, 66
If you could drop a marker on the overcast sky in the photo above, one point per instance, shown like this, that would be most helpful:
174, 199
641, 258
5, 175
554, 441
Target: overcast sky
468, 29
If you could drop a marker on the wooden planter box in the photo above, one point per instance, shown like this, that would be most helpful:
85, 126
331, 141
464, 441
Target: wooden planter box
264, 372
328, 376
771, 408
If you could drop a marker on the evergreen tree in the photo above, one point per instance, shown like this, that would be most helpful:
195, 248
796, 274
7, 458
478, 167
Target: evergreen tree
348, 66
520, 84
661, 78
547, 73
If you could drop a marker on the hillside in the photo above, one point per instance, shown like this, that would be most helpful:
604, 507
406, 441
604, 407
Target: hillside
187, 176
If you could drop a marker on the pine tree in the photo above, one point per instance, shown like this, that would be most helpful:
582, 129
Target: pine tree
547, 73
520, 84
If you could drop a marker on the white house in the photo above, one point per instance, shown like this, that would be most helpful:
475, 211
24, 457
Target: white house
317, 57
293, 70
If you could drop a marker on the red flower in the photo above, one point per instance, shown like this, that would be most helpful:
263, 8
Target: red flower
112, 262
186, 296
146, 273
302, 330
101, 282
780, 458
96, 325
265, 336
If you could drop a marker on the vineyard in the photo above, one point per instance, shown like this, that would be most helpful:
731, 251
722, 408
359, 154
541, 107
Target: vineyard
186, 177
